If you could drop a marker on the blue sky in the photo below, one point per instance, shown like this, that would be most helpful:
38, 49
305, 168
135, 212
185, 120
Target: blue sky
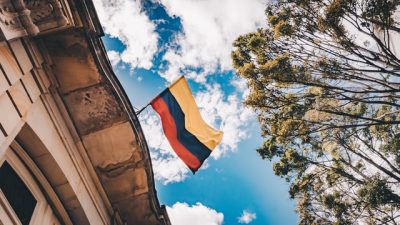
150, 43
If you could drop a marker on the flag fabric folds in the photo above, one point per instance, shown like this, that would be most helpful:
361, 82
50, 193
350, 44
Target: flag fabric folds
190, 137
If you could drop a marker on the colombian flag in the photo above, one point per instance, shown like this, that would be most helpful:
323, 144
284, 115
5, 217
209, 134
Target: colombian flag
190, 137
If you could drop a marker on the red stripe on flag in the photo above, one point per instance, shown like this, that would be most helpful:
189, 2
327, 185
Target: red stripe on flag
170, 131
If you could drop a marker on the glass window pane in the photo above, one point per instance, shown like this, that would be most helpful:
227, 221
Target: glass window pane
17, 193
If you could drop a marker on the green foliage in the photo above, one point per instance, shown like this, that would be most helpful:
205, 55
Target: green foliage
375, 192
380, 10
282, 22
269, 150
328, 106
335, 11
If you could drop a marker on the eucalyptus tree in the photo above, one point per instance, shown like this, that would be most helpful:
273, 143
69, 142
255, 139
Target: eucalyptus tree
324, 80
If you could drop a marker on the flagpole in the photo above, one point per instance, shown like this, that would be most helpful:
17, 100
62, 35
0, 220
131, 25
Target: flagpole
141, 110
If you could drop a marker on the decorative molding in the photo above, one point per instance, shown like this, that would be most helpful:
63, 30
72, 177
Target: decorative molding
10, 23
47, 14
19, 18
40, 9
48, 191
24, 15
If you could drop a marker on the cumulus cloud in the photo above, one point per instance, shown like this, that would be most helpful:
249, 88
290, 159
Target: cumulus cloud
114, 57
198, 214
224, 113
202, 47
209, 29
241, 86
247, 217
125, 20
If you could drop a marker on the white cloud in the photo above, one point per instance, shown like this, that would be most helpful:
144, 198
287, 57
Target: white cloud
241, 86
114, 57
247, 217
198, 214
125, 20
226, 113
209, 29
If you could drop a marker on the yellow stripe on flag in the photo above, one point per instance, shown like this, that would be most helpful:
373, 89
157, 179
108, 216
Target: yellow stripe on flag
194, 123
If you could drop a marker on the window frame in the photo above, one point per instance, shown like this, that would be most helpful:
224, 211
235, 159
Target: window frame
6, 211
19, 167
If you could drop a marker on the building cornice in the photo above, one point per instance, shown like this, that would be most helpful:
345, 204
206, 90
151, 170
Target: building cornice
70, 34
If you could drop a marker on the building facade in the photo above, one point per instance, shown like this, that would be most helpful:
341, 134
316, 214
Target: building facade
71, 147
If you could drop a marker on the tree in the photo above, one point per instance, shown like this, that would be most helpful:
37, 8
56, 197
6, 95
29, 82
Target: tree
324, 80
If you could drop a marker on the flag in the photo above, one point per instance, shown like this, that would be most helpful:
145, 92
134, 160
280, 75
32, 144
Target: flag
190, 137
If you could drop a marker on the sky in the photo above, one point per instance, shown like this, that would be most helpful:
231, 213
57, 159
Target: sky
152, 42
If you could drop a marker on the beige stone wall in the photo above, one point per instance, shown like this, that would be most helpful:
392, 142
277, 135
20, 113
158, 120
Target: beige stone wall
31, 112
61, 101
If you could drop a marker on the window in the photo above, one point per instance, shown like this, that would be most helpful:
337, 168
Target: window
22, 201
17, 193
